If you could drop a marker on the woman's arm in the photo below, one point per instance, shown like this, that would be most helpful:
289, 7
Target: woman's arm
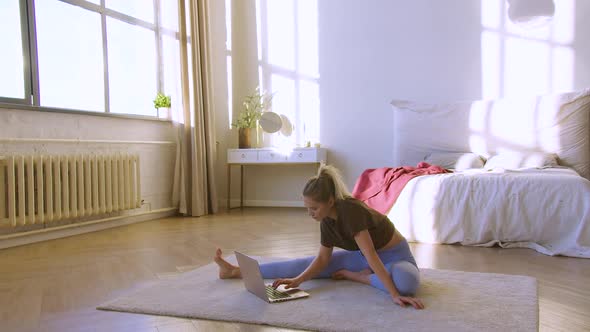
363, 240
318, 264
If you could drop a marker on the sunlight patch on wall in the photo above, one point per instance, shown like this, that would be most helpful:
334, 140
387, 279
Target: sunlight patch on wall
491, 14
527, 67
519, 60
564, 22
563, 68
491, 65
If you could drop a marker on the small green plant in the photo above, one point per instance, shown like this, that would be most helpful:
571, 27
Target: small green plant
162, 101
254, 104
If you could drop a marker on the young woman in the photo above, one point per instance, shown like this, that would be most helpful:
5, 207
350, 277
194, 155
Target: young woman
375, 253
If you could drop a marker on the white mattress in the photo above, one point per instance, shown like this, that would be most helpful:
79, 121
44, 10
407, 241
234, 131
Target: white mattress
547, 210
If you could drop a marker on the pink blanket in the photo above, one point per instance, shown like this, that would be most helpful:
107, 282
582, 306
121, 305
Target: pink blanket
379, 188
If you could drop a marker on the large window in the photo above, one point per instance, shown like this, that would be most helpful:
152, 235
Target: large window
288, 59
288, 67
90, 55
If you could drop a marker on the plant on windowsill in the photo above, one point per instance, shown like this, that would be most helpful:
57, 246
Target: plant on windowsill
162, 102
253, 106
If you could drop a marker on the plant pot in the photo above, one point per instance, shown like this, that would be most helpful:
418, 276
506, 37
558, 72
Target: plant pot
244, 138
164, 112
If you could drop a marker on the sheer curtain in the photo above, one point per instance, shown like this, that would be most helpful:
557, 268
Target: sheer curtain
194, 189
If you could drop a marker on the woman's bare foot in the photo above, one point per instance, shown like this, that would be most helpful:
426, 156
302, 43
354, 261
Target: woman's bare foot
360, 276
226, 270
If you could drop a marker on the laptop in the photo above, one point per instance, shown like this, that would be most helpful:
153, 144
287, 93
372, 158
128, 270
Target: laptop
255, 283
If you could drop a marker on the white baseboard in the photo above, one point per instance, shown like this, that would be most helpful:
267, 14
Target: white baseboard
263, 203
17, 239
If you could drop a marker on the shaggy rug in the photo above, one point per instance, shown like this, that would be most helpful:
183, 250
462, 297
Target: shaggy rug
454, 300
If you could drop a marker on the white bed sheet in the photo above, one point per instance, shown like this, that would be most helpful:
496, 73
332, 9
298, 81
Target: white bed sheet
547, 210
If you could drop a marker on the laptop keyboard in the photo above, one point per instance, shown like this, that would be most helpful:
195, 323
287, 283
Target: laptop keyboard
275, 294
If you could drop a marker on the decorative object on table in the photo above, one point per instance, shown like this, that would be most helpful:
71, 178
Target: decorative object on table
272, 122
287, 126
253, 107
162, 103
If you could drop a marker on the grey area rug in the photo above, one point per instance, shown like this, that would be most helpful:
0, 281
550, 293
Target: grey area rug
454, 300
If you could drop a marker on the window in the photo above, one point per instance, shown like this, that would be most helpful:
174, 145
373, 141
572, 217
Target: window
288, 59
90, 55
287, 35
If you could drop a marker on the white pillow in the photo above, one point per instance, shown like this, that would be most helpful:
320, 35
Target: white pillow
514, 160
458, 161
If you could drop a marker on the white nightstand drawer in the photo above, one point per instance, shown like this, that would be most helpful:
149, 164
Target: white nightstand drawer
271, 156
242, 156
303, 156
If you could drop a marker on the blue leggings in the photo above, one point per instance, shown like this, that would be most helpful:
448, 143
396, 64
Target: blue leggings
398, 260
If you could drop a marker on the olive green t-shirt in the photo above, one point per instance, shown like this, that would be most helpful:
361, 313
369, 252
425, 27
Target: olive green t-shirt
355, 216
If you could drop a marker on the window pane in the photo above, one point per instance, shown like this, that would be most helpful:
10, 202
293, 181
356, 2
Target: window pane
307, 37
142, 9
284, 103
228, 24
12, 80
71, 73
169, 14
281, 34
309, 105
172, 79
132, 68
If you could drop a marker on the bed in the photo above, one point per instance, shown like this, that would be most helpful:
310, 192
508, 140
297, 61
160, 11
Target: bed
521, 172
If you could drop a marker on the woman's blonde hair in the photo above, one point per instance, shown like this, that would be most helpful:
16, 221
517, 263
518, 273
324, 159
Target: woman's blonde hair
326, 184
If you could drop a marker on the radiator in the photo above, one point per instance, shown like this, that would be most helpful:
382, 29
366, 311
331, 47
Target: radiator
41, 189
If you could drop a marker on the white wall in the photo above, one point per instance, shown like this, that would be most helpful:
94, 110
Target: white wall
156, 160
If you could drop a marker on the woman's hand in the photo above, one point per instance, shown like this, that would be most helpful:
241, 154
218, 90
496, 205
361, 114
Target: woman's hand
288, 282
403, 300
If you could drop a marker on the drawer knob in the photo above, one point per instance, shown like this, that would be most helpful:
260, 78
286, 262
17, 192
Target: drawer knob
272, 155
243, 155
300, 155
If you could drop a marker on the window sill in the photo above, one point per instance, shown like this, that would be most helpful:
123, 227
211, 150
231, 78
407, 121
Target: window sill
78, 112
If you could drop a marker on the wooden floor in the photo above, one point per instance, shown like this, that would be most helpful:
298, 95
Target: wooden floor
56, 285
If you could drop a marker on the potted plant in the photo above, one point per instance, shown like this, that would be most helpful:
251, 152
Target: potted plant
253, 106
164, 102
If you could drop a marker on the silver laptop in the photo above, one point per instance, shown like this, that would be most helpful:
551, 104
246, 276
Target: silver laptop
255, 283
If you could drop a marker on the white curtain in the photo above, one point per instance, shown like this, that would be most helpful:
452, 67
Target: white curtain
194, 189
